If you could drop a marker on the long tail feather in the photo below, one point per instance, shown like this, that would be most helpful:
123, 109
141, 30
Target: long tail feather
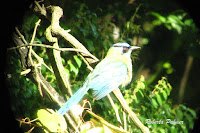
73, 100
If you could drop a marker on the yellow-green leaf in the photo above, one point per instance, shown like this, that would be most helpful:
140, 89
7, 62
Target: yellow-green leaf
78, 61
54, 122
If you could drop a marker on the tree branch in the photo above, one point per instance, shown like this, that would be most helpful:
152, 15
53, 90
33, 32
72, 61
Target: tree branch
127, 109
32, 74
185, 78
57, 13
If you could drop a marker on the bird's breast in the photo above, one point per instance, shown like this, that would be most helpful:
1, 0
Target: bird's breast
128, 77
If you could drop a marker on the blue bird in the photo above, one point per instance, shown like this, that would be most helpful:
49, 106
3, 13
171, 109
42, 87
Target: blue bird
114, 70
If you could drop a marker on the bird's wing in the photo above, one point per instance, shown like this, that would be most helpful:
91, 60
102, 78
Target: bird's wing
106, 77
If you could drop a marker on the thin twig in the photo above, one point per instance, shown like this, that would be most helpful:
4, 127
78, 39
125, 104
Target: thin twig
41, 61
38, 80
117, 129
42, 11
51, 47
125, 122
127, 109
115, 108
21, 36
32, 40
86, 62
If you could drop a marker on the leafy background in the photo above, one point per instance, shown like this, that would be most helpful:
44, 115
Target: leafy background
168, 37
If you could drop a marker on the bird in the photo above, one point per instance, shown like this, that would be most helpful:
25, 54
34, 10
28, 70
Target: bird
114, 70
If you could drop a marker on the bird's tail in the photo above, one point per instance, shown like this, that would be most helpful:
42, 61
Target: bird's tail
73, 100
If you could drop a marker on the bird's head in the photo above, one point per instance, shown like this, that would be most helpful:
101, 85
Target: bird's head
122, 48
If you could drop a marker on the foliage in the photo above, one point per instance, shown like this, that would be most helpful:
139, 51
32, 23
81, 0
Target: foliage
156, 110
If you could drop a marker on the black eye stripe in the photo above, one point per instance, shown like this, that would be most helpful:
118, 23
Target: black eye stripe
125, 49
121, 46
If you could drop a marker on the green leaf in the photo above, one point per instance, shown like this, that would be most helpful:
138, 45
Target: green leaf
29, 22
90, 44
139, 94
164, 94
167, 109
173, 129
85, 32
167, 65
192, 112
63, 60
141, 83
177, 27
154, 103
72, 67
183, 107
174, 19
159, 99
175, 22
160, 17
161, 130
78, 61
94, 30
136, 100
189, 119
179, 114
188, 22
67, 72
54, 122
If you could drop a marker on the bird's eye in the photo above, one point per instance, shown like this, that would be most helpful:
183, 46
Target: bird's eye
125, 49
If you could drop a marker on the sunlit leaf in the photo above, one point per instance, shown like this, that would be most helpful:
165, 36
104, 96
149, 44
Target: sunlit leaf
78, 61
72, 67
164, 94
140, 83
95, 130
174, 19
160, 17
166, 65
105, 124
177, 27
63, 60
53, 121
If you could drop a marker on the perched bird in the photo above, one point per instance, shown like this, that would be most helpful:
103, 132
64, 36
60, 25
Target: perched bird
114, 70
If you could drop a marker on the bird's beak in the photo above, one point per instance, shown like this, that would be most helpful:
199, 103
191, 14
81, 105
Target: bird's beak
134, 47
